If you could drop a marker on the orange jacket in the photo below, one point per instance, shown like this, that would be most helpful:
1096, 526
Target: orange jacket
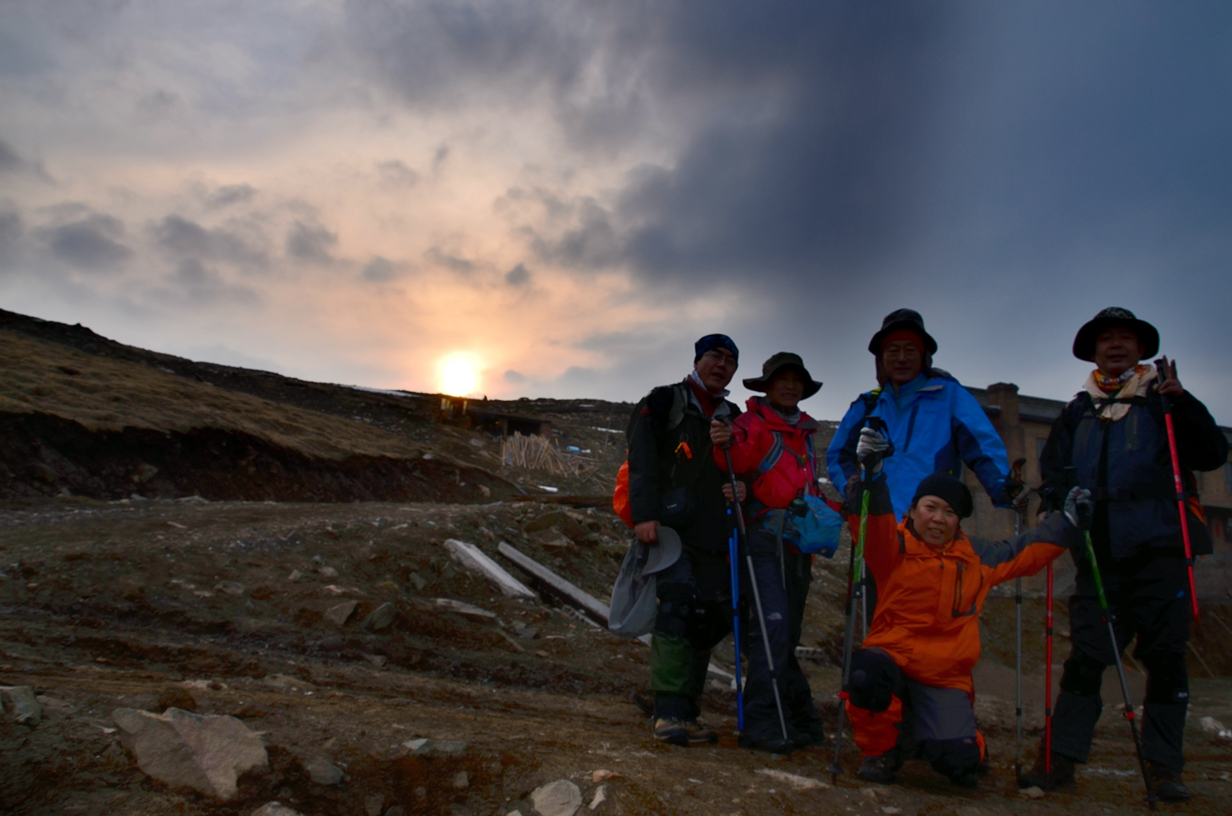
929, 602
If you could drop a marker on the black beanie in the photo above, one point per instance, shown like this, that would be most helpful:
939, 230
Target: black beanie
944, 486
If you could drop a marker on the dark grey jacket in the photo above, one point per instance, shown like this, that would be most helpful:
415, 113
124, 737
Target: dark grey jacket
1128, 467
672, 475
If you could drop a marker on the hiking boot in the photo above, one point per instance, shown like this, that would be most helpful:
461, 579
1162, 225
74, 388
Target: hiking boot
683, 732
771, 744
807, 737
1061, 774
880, 769
1166, 783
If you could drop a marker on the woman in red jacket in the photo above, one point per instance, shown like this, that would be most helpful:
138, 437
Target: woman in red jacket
910, 693
771, 447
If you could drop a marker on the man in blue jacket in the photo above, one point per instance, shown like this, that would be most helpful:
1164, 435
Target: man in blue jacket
933, 422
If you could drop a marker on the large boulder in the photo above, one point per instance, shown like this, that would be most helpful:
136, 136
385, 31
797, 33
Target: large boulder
180, 749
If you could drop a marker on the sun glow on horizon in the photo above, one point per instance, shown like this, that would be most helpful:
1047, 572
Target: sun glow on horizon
458, 374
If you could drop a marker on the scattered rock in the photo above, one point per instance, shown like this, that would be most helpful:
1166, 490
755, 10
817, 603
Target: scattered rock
604, 775
230, 587
177, 697
327, 572
599, 798
461, 781
281, 681
275, 809
891, 811
375, 659
559, 798
418, 581
463, 608
340, 614
380, 618
423, 747
294, 576
527, 632
20, 703
552, 539
1033, 792
374, 803
1216, 730
796, 781
387, 586
322, 771
397, 810
182, 749
144, 473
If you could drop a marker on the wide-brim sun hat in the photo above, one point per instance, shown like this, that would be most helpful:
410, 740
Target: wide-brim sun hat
776, 364
908, 319
1110, 318
635, 593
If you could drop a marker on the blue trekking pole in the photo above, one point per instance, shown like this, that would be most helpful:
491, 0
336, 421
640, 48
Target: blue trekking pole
733, 559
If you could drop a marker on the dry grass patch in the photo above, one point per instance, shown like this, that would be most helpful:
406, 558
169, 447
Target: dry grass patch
104, 394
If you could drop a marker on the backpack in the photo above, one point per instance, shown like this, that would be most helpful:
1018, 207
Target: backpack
620, 495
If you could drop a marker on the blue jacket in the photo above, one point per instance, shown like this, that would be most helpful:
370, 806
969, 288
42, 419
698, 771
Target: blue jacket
935, 425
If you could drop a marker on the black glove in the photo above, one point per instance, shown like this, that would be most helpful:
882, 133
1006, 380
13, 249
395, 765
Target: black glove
871, 450
1015, 491
1079, 508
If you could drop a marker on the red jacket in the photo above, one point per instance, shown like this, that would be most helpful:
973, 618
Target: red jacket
929, 602
753, 435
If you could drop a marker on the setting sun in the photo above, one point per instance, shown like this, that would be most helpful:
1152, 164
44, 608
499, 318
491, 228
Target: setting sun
458, 374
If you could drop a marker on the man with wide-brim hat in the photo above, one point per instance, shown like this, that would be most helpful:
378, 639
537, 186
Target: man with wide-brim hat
676, 493
934, 424
1112, 440
770, 446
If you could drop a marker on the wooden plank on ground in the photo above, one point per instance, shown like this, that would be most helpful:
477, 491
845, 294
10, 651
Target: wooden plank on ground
557, 586
474, 558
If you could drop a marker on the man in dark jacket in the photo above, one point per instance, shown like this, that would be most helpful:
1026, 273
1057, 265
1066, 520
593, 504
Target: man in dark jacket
674, 482
1112, 440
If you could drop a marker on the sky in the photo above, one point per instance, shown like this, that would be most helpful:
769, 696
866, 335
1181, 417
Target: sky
555, 198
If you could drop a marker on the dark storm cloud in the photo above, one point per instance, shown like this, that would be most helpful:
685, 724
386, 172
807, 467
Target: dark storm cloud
179, 236
397, 174
92, 241
11, 232
311, 243
430, 53
518, 276
11, 162
451, 262
196, 284
231, 194
381, 270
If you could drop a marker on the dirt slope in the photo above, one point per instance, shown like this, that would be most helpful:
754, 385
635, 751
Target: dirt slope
143, 593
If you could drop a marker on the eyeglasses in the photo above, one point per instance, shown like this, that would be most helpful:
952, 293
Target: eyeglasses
725, 356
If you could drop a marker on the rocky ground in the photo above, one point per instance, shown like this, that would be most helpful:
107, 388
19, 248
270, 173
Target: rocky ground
380, 675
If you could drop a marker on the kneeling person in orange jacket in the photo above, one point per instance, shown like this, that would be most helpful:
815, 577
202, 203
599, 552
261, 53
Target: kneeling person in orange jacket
910, 692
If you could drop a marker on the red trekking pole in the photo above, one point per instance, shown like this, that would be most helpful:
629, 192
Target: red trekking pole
1180, 487
1048, 678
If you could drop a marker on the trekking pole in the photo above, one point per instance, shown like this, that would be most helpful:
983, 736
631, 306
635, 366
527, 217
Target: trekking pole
1048, 677
1019, 511
1120, 666
733, 559
855, 594
761, 617
855, 597
1129, 706
1180, 488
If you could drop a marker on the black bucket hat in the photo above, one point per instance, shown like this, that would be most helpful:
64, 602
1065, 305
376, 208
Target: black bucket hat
904, 319
778, 362
951, 490
1084, 342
